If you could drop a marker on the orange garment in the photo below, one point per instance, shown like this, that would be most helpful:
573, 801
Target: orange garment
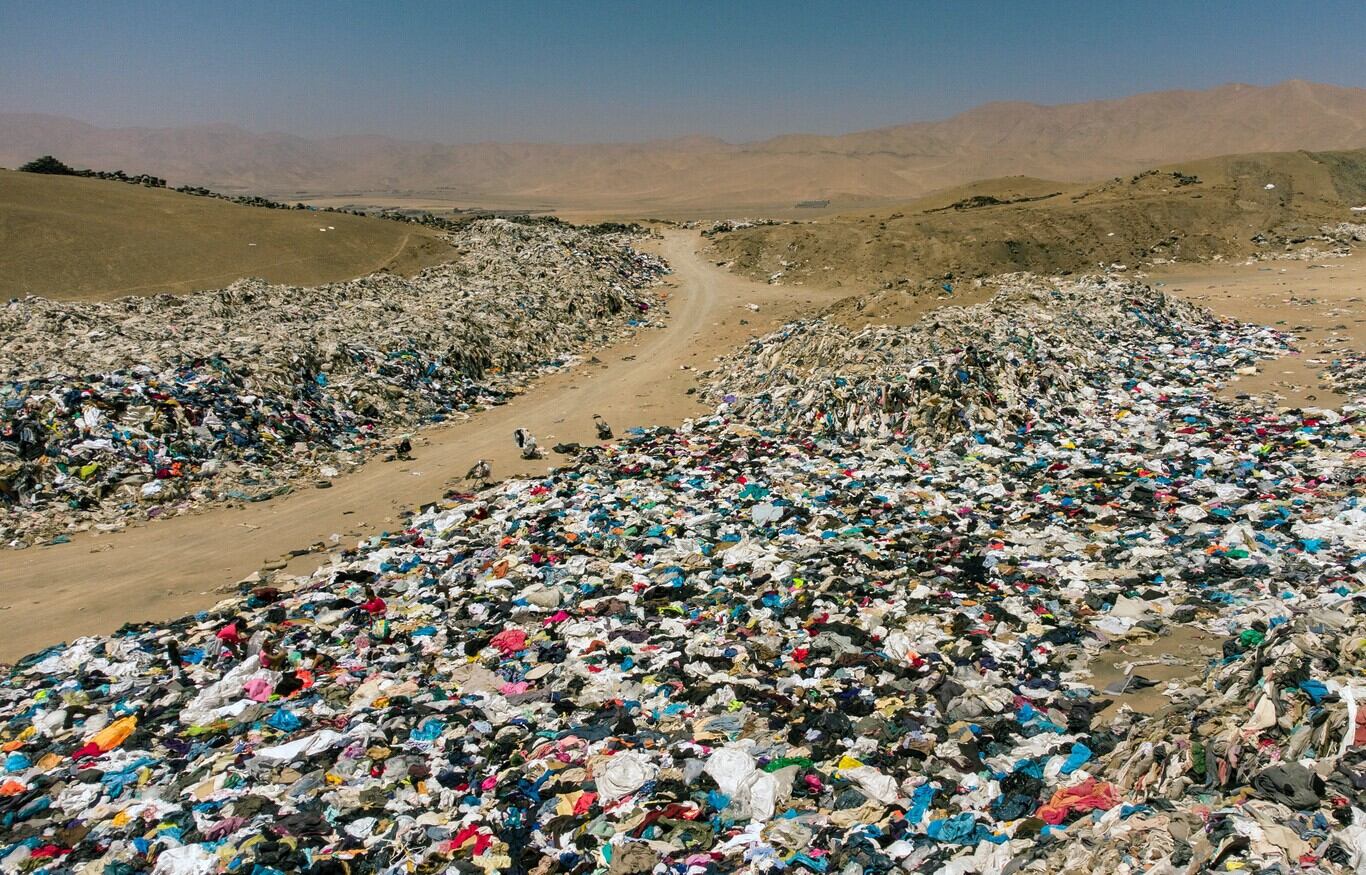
1089, 795
114, 734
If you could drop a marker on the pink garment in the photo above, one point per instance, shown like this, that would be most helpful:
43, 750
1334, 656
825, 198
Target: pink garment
509, 641
258, 689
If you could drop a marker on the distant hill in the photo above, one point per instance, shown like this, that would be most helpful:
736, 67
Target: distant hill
1072, 142
66, 237
1231, 205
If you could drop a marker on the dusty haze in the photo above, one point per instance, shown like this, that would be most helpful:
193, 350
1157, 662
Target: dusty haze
1072, 142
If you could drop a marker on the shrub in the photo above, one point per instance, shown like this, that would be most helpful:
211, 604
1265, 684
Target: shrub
47, 164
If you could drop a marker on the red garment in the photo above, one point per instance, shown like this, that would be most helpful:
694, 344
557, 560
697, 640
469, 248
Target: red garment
49, 850
229, 634
509, 641
375, 606
1089, 795
482, 840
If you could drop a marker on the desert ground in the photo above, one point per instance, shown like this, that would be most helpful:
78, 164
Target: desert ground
92, 239
1322, 301
1231, 206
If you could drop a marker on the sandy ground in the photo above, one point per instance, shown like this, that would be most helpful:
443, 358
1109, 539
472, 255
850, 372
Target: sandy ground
1181, 655
1214, 207
1323, 302
172, 567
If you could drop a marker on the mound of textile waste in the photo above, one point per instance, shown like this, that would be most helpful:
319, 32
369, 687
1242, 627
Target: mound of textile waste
148, 406
725, 649
1033, 357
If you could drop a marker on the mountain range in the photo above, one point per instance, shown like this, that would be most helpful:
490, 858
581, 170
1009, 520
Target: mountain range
1071, 142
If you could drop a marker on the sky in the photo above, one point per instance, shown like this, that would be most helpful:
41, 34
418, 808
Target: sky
605, 71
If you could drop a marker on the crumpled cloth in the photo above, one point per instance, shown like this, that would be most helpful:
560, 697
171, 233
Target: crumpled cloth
624, 774
509, 641
1290, 784
1089, 795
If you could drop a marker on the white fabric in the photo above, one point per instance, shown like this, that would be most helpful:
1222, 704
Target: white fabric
300, 747
185, 860
624, 774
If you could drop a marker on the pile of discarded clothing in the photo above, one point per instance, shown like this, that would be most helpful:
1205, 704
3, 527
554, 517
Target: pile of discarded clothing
1347, 373
1262, 763
1036, 356
148, 406
725, 648
725, 226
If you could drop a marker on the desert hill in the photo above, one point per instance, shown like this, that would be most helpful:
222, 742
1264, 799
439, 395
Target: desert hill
1232, 205
1072, 142
64, 237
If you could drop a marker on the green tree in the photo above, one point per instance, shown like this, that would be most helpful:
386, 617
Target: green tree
47, 164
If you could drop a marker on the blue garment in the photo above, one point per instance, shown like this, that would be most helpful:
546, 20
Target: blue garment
920, 803
1315, 690
957, 829
961, 829
118, 781
284, 720
430, 730
1077, 758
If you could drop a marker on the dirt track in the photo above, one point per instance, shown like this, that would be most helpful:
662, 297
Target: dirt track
171, 567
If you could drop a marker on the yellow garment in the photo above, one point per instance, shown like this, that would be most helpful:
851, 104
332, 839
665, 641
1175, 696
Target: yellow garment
114, 734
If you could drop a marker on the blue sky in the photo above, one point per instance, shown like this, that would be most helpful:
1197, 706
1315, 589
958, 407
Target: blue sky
609, 71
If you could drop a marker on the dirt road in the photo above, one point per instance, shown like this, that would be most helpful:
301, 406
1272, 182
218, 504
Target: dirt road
171, 567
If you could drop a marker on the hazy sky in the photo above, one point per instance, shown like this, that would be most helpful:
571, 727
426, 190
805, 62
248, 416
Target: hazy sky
599, 71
